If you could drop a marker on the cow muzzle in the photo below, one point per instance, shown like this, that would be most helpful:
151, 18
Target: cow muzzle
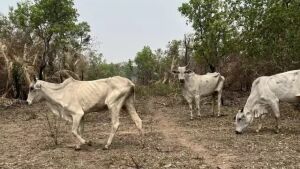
238, 132
28, 102
181, 80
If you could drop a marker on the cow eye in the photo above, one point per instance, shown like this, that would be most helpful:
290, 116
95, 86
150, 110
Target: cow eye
239, 119
31, 88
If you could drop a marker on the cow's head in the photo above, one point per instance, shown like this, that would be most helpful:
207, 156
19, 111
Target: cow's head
183, 73
34, 94
242, 120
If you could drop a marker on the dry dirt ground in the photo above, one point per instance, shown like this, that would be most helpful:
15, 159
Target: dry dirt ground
171, 139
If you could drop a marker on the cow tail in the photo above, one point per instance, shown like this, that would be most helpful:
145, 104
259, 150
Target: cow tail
133, 92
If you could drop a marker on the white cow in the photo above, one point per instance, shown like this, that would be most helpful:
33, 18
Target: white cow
196, 86
72, 99
266, 92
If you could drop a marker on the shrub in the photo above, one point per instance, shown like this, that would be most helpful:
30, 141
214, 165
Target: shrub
157, 89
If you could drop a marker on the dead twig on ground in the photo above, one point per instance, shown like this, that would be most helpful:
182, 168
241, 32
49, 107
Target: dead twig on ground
53, 129
137, 166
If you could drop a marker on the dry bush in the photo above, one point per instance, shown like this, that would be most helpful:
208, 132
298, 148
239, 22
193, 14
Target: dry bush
52, 126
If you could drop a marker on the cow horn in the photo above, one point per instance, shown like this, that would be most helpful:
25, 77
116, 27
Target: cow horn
188, 64
35, 78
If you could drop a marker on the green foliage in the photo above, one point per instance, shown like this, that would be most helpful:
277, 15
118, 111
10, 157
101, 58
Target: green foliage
129, 69
172, 53
264, 33
98, 68
270, 36
51, 21
94, 71
157, 89
146, 65
173, 49
5, 27
53, 17
109, 70
213, 34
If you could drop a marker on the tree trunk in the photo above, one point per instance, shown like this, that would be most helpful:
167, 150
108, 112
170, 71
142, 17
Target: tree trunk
14, 79
44, 56
9, 66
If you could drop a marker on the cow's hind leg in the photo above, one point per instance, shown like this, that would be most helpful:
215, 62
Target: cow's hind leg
75, 126
219, 91
219, 102
115, 122
135, 117
213, 103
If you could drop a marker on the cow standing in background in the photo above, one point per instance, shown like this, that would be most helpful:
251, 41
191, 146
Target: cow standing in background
194, 87
72, 99
266, 92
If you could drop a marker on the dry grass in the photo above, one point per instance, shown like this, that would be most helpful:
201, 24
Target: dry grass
171, 140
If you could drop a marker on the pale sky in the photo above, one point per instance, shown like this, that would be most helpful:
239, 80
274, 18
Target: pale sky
120, 28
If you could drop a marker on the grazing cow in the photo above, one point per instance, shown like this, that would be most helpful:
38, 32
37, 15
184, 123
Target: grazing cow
72, 99
266, 92
196, 86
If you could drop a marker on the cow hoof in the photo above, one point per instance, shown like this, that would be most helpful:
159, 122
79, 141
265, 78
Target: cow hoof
277, 131
89, 143
77, 148
106, 147
257, 131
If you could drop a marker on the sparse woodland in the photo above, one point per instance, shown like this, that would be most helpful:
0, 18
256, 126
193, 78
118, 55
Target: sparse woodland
242, 39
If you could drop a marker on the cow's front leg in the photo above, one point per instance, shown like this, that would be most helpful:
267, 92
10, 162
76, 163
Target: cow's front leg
213, 104
190, 102
260, 123
275, 108
81, 129
197, 100
75, 126
277, 127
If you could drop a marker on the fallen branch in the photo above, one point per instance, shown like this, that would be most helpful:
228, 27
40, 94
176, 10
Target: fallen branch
137, 166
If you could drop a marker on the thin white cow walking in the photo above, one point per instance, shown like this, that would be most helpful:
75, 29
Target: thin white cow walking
72, 99
195, 86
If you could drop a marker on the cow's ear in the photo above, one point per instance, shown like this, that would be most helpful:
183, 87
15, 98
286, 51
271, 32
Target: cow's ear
175, 71
234, 118
188, 71
241, 110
